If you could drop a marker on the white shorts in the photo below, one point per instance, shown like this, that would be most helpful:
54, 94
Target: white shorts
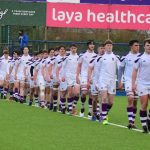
41, 81
94, 90
54, 81
2, 76
107, 85
128, 89
143, 89
32, 84
12, 79
83, 83
20, 78
63, 86
71, 80
49, 84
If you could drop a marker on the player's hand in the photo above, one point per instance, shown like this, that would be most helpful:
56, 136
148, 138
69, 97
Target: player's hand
63, 79
15, 77
51, 76
134, 87
77, 80
7, 77
120, 85
90, 81
58, 81
45, 78
32, 78
25, 77
48, 79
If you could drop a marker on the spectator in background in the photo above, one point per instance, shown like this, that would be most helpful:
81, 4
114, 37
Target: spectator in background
23, 40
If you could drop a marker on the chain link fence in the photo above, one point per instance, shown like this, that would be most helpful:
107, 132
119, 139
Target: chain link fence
37, 45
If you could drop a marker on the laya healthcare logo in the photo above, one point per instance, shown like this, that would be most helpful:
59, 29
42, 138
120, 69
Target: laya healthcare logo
3, 12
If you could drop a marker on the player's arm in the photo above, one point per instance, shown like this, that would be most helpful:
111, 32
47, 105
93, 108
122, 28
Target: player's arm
90, 71
134, 73
16, 70
25, 70
35, 74
59, 66
120, 72
43, 71
8, 72
49, 70
78, 72
134, 76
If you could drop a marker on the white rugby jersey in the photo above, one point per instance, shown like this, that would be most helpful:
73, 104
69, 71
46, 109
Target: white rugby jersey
54, 62
4, 57
22, 63
143, 66
94, 63
47, 63
108, 66
30, 66
127, 62
39, 68
85, 60
13, 65
4, 63
69, 65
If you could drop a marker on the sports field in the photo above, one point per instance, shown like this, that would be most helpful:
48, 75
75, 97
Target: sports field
30, 128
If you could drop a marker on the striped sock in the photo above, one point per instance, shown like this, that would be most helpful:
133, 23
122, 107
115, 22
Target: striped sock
63, 103
104, 110
15, 92
75, 101
11, 94
134, 114
70, 100
36, 98
55, 101
21, 99
109, 107
143, 118
5, 91
83, 99
1, 89
98, 109
148, 115
130, 114
90, 105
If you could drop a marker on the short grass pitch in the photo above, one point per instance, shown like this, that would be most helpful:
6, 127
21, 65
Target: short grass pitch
30, 128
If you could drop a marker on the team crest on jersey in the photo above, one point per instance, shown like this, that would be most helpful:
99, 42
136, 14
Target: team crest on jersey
113, 59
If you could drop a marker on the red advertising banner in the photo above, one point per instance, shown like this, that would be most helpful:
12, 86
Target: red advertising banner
98, 16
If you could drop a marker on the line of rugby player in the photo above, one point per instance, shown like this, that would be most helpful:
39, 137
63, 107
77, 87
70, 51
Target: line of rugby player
55, 77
